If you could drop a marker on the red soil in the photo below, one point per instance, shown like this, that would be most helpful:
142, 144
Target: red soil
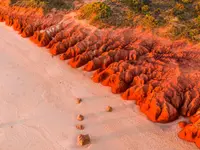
161, 76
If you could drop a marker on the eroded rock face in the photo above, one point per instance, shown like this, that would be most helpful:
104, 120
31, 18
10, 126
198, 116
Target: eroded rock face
28, 20
191, 131
161, 76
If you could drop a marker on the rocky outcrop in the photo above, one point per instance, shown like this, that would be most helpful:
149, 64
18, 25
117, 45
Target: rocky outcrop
161, 76
191, 131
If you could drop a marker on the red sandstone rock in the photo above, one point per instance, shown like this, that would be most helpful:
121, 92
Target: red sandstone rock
182, 124
80, 117
191, 132
43, 39
163, 78
109, 109
147, 62
78, 100
80, 127
83, 139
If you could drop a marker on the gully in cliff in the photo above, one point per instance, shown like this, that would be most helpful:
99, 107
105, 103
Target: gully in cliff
162, 77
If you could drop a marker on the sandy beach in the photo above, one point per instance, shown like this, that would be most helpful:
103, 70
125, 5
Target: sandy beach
38, 106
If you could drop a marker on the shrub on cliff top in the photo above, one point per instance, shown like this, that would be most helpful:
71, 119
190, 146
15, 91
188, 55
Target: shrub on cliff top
137, 4
187, 1
46, 4
95, 11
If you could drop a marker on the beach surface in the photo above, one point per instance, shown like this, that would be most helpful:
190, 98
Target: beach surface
38, 106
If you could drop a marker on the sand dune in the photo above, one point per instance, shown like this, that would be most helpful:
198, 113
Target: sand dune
38, 109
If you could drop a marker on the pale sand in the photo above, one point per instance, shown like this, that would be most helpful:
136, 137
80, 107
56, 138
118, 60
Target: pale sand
38, 108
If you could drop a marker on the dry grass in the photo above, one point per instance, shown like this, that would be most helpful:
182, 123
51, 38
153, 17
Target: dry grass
46, 4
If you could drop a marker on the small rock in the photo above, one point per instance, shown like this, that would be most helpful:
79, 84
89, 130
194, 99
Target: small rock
53, 10
80, 117
109, 109
78, 100
182, 124
83, 139
80, 127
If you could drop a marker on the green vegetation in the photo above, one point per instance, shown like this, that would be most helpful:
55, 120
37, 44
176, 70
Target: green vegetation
176, 18
179, 18
95, 11
107, 13
187, 1
137, 5
145, 8
46, 4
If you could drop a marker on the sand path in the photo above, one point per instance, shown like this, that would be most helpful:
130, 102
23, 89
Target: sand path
38, 109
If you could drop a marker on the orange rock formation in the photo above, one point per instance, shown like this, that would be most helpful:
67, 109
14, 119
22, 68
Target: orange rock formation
161, 76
